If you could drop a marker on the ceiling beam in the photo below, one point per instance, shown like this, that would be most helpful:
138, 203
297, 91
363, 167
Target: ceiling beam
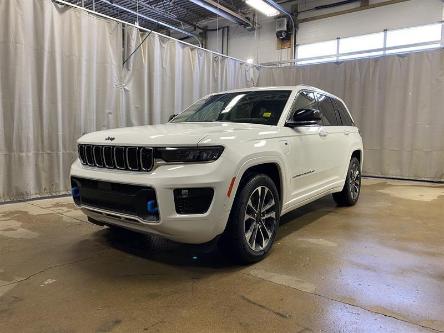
224, 12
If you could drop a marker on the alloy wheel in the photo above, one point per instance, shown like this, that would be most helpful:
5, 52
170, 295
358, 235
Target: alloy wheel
260, 218
354, 181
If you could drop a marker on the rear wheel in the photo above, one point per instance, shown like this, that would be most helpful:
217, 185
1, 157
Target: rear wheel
253, 221
352, 187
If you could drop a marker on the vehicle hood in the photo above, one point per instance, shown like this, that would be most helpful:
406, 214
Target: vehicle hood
177, 134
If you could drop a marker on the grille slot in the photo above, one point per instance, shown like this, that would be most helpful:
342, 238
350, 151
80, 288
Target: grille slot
89, 155
146, 158
82, 154
117, 157
132, 160
98, 156
108, 157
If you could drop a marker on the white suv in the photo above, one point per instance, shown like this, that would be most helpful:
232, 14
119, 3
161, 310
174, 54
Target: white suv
229, 165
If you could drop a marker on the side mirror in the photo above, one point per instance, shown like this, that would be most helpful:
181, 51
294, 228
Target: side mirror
304, 117
171, 117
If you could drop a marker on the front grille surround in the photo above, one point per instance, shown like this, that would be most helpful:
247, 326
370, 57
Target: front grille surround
129, 158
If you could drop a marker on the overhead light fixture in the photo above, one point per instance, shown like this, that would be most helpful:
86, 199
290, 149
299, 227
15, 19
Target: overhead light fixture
216, 8
263, 7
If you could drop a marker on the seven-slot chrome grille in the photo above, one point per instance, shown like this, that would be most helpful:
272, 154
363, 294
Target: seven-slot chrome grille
117, 157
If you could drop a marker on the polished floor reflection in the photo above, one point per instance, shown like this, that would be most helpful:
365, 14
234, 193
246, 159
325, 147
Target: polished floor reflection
378, 266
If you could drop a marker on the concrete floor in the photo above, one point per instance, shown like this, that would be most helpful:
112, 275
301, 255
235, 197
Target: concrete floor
378, 266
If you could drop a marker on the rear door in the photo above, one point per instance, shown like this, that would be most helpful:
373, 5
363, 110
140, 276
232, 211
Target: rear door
348, 128
331, 161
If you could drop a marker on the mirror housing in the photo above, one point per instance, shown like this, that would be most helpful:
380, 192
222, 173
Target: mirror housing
304, 117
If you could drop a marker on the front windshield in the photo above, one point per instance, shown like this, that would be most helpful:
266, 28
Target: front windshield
257, 107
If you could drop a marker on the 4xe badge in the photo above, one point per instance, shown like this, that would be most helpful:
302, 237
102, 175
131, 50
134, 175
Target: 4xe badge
110, 138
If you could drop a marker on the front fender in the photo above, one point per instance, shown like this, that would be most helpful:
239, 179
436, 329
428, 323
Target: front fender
255, 160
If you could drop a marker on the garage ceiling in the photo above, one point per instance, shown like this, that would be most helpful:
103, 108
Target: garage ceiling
189, 17
183, 14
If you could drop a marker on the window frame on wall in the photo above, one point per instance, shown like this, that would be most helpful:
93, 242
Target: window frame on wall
409, 40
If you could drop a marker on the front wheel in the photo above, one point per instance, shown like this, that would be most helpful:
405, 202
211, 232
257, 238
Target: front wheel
253, 221
352, 187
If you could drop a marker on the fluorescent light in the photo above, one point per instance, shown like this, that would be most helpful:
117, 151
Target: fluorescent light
250, 60
263, 7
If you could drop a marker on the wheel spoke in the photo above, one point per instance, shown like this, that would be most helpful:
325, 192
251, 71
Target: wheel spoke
253, 237
249, 233
250, 205
262, 199
268, 215
249, 217
268, 205
259, 193
263, 239
269, 233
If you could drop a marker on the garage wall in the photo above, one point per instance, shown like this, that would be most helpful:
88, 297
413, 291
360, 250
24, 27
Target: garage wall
61, 76
261, 45
397, 102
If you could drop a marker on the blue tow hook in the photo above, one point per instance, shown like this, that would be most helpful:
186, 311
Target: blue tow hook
151, 207
75, 191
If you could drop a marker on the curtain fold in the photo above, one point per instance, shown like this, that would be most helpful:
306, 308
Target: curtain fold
58, 74
397, 102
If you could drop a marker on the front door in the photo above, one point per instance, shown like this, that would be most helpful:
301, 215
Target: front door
305, 146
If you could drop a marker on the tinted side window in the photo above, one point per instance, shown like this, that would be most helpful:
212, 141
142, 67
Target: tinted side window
346, 119
305, 100
328, 112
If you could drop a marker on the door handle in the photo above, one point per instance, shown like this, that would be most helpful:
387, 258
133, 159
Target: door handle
323, 133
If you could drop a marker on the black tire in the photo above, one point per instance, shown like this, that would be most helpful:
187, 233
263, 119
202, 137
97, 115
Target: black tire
352, 187
263, 226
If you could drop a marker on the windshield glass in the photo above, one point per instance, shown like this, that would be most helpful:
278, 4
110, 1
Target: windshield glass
257, 107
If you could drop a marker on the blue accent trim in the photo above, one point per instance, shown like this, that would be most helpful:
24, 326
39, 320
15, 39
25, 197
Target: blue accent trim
75, 192
151, 207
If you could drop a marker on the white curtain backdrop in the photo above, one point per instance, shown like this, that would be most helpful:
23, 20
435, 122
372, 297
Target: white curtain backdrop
397, 102
166, 76
59, 71
62, 75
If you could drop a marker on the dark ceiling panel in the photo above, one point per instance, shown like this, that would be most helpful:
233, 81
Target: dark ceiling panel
182, 14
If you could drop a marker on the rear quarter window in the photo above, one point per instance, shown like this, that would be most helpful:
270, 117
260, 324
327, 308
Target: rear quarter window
329, 115
345, 117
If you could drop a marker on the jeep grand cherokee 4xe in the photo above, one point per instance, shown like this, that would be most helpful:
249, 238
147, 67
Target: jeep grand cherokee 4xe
229, 165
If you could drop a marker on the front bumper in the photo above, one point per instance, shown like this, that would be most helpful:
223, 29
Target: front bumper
186, 228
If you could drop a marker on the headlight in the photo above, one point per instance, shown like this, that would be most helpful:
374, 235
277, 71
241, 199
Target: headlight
189, 154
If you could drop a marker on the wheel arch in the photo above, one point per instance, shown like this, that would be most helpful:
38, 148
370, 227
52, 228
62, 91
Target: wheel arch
357, 152
271, 168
